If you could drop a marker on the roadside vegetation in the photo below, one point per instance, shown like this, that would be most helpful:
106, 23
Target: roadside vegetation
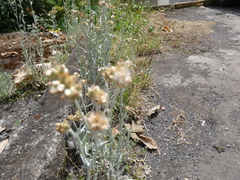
114, 42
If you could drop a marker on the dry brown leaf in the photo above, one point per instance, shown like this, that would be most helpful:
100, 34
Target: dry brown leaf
21, 77
154, 110
2, 128
9, 54
115, 131
127, 126
167, 29
149, 142
24, 75
133, 112
3, 145
137, 128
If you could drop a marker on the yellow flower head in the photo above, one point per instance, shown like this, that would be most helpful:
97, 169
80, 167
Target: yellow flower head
62, 127
75, 117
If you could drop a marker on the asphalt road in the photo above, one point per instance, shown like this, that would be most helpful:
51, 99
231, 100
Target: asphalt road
198, 134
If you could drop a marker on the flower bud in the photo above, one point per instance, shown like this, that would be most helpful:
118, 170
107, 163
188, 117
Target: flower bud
62, 127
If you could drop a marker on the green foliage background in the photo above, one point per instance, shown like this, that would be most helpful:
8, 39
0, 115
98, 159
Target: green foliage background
7, 18
14, 13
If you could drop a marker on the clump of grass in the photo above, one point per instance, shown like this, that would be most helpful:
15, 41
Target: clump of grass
136, 40
140, 81
6, 86
132, 21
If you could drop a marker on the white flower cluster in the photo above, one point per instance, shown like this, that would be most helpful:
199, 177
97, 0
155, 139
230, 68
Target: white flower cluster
98, 96
119, 74
65, 84
97, 121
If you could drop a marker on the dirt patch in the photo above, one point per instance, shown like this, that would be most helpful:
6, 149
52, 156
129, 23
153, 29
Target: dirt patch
12, 47
180, 34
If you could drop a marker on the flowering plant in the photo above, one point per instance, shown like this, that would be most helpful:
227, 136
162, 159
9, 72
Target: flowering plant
92, 132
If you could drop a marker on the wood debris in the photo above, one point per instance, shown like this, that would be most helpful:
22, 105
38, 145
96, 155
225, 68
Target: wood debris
3, 145
167, 29
9, 54
154, 111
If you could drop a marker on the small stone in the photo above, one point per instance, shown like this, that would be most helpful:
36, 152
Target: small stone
71, 144
219, 148
228, 145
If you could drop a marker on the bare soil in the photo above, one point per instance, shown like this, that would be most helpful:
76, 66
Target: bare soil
12, 44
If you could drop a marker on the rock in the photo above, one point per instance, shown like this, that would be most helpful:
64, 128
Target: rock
219, 148
34, 150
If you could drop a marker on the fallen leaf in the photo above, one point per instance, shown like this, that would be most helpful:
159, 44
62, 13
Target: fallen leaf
9, 54
3, 145
24, 75
137, 128
115, 131
167, 29
154, 110
127, 126
149, 142
133, 112
2, 128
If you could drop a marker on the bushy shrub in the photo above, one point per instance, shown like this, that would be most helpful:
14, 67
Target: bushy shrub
7, 18
18, 13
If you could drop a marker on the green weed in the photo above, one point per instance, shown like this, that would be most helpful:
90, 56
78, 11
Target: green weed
6, 86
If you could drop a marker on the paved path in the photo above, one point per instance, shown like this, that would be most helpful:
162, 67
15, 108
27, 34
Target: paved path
201, 91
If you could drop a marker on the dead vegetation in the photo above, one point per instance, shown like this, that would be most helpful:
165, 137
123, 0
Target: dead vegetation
177, 33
